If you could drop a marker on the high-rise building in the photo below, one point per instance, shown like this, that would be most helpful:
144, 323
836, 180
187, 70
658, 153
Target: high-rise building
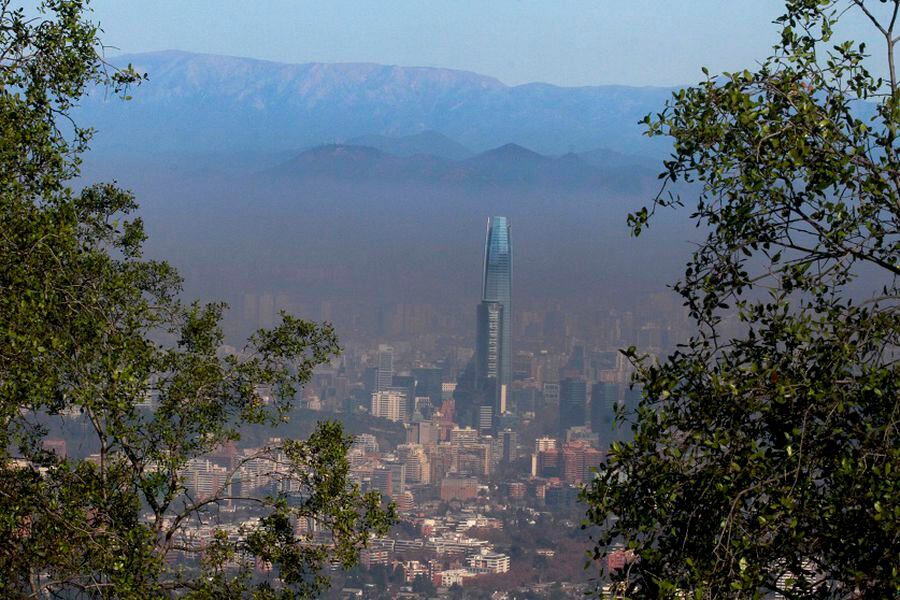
463, 436
428, 383
418, 469
407, 385
422, 432
384, 374
459, 488
551, 393
575, 367
604, 397
572, 404
204, 479
543, 444
578, 462
366, 443
510, 441
390, 404
498, 284
489, 325
493, 358
486, 419
398, 476
382, 480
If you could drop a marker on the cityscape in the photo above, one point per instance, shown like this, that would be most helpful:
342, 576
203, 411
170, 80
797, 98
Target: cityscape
467, 441
449, 300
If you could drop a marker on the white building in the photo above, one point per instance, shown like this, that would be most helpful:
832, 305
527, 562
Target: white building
489, 562
389, 404
455, 576
366, 442
464, 436
204, 479
542, 444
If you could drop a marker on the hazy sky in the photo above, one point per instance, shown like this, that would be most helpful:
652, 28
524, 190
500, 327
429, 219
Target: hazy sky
566, 42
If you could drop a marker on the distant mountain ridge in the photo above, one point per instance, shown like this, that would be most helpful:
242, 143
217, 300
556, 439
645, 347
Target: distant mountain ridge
426, 142
508, 166
249, 172
208, 103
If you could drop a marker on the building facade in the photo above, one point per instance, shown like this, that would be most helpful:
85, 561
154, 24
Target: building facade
493, 366
572, 404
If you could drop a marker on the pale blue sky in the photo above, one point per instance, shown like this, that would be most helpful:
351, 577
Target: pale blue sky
566, 42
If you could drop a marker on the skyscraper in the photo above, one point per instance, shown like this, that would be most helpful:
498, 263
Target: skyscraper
572, 404
493, 348
428, 383
489, 325
497, 285
510, 441
384, 376
604, 397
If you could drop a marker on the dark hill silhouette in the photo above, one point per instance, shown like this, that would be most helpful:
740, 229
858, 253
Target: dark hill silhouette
427, 142
510, 165
346, 162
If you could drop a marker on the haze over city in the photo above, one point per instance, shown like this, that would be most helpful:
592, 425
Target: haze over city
493, 300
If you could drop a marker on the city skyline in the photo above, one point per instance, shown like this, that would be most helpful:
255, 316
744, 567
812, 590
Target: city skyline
267, 331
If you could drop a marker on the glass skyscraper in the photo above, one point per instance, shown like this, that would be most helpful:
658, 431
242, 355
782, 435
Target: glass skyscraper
572, 404
496, 297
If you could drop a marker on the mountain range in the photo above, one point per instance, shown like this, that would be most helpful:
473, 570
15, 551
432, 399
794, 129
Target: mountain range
370, 184
200, 103
509, 165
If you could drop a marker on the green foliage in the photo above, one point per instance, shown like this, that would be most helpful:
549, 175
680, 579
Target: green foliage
767, 460
89, 327
423, 585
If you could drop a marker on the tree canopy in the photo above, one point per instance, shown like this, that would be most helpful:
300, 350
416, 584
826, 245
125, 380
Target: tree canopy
91, 329
765, 456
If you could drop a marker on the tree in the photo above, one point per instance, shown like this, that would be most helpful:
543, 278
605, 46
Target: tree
456, 591
422, 584
766, 459
90, 328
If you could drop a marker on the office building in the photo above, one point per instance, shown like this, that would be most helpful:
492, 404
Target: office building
384, 374
510, 442
489, 562
604, 397
407, 385
458, 488
489, 342
463, 436
493, 352
543, 444
579, 461
390, 404
429, 382
572, 404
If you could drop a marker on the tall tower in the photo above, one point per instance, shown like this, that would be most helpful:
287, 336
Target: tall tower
497, 285
384, 375
493, 347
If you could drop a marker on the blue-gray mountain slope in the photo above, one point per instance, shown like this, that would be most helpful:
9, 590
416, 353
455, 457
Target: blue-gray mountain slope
197, 103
